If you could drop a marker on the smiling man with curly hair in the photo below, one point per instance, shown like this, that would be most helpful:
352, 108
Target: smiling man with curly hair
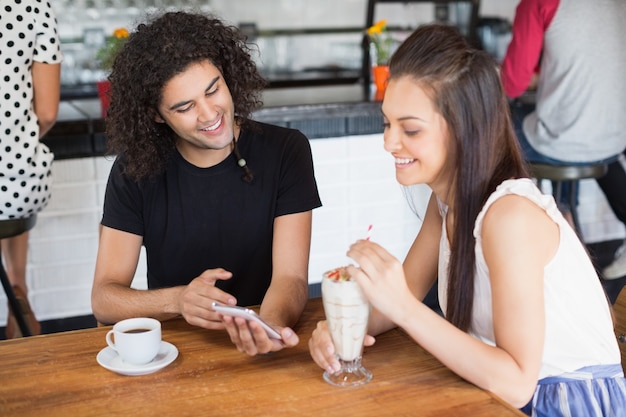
221, 203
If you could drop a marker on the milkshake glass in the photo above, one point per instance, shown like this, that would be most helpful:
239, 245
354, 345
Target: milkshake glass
347, 313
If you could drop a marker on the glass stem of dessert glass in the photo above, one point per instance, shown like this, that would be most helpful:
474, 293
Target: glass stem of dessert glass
347, 313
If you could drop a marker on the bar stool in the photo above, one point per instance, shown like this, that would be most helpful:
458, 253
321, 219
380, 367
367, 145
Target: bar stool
572, 174
10, 228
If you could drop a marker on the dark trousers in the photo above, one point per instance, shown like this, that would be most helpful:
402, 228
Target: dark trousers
613, 184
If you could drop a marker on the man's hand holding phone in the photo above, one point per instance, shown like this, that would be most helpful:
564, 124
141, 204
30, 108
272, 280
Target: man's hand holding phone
251, 334
248, 315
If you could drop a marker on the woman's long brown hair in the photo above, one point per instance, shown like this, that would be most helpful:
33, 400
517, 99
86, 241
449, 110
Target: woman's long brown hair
465, 87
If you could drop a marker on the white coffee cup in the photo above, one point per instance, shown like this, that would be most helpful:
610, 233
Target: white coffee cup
136, 341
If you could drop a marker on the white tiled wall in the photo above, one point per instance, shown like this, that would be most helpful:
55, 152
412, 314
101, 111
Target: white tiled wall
356, 179
63, 244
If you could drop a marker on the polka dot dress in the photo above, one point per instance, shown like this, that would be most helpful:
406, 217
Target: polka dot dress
27, 33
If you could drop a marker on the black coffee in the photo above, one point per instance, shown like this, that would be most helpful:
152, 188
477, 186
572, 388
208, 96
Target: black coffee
137, 331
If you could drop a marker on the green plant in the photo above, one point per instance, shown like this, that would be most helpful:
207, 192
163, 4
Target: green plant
106, 55
381, 39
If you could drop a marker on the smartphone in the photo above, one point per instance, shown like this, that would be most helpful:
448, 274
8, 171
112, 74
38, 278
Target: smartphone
247, 314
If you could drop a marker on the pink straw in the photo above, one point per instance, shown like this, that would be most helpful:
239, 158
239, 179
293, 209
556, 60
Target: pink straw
369, 232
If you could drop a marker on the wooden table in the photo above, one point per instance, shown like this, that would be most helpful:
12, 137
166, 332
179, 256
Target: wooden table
57, 375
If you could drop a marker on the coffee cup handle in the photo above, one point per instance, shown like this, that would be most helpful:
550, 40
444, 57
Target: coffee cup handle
110, 342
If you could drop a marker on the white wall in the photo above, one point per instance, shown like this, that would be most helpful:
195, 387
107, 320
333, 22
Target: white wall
63, 244
499, 8
357, 184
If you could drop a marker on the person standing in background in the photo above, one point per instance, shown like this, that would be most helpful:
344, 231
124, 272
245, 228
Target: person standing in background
574, 49
30, 83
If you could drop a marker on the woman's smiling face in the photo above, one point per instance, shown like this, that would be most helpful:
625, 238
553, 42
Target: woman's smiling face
196, 104
416, 135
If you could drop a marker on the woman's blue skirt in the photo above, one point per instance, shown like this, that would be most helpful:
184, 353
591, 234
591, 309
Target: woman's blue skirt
593, 391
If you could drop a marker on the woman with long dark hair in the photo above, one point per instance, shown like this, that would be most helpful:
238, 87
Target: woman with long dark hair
525, 314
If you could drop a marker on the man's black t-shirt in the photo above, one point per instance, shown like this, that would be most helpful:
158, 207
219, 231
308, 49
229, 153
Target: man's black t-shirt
193, 219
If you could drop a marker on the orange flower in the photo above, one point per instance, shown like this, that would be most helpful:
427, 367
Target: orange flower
120, 33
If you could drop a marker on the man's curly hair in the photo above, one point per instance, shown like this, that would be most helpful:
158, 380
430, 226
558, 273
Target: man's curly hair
155, 52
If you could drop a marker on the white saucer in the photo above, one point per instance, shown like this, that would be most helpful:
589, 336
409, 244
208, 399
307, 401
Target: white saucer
109, 359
